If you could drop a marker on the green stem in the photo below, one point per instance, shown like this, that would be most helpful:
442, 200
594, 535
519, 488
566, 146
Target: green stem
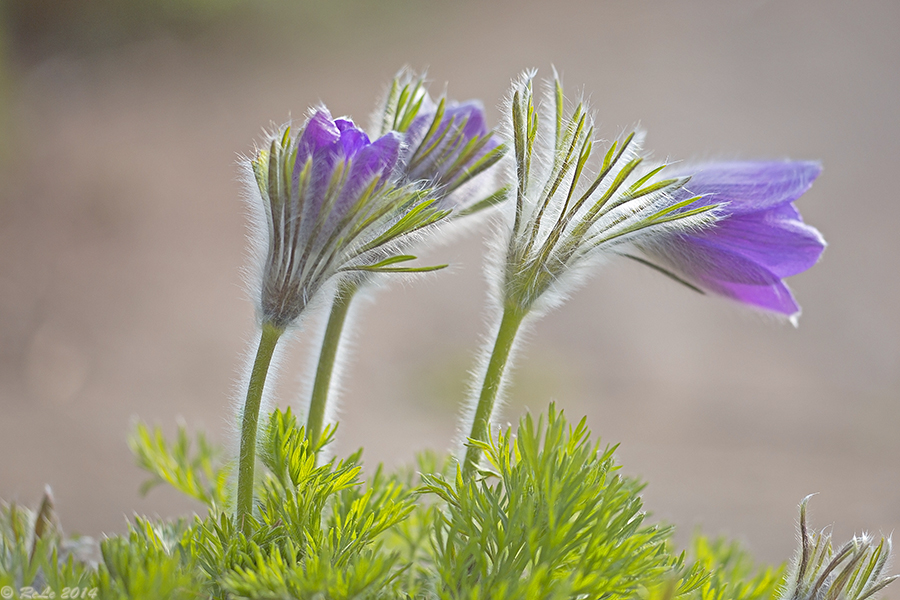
493, 378
319, 400
247, 456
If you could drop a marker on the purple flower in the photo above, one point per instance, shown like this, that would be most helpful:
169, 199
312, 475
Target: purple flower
759, 240
343, 162
331, 204
446, 144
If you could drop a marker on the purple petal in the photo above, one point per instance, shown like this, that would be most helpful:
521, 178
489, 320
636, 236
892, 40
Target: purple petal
724, 272
320, 142
472, 113
375, 159
785, 246
776, 297
703, 261
353, 139
749, 187
319, 133
344, 124
785, 212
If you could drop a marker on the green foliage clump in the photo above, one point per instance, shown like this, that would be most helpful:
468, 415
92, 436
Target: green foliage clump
732, 574
148, 563
33, 553
323, 525
196, 474
549, 516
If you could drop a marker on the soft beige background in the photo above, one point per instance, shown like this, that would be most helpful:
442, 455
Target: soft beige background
122, 236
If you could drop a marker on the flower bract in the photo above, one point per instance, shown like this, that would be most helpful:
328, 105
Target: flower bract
852, 572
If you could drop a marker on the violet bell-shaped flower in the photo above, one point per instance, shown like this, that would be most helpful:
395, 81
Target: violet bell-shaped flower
759, 239
331, 205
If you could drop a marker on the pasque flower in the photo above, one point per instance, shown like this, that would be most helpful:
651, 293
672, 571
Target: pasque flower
328, 202
446, 147
759, 240
573, 205
727, 228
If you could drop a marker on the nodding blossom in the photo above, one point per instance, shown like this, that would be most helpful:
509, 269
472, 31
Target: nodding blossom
332, 204
730, 228
727, 228
446, 144
852, 572
574, 205
759, 240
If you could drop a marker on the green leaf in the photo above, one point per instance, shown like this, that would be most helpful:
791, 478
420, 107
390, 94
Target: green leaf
495, 199
196, 473
384, 266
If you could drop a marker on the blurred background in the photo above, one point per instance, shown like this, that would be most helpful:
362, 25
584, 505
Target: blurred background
122, 235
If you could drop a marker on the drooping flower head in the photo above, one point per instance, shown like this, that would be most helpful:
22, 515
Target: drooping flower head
759, 240
727, 228
574, 205
331, 204
446, 144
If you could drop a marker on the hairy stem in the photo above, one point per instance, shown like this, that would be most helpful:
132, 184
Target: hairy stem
247, 456
493, 379
319, 400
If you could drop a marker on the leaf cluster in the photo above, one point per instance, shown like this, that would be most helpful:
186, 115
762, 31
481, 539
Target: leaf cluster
731, 573
550, 516
34, 553
198, 474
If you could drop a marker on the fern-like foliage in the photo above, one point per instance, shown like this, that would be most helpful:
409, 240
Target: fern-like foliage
732, 574
34, 554
198, 473
552, 518
317, 528
146, 565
